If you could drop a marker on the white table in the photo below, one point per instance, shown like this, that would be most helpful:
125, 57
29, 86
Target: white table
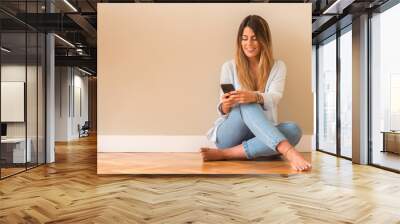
19, 155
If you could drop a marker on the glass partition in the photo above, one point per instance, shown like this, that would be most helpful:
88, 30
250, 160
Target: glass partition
32, 95
41, 91
22, 77
13, 95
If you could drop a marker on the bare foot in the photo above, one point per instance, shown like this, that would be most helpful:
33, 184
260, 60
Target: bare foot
296, 160
210, 154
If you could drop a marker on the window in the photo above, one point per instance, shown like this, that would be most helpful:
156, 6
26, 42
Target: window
346, 93
327, 96
385, 89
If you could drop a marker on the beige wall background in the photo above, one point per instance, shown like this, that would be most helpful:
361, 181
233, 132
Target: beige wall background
159, 64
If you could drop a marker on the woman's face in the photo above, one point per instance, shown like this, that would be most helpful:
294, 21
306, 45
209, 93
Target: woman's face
251, 47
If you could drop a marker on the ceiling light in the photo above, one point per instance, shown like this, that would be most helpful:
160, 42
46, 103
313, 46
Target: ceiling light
338, 6
5, 50
65, 41
70, 5
84, 71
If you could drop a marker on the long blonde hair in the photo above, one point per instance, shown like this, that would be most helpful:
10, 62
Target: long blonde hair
266, 61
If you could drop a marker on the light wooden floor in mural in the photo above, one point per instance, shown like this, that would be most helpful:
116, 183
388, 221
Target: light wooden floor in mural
70, 191
187, 163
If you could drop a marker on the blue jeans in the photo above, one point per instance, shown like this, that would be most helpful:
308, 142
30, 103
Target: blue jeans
247, 124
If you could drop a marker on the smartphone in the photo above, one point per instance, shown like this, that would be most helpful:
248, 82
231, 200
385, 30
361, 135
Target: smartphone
227, 88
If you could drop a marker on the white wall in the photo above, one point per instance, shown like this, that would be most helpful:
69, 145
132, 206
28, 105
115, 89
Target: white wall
82, 83
62, 81
70, 83
16, 73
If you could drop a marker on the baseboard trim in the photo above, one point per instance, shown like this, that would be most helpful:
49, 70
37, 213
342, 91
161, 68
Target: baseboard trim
165, 143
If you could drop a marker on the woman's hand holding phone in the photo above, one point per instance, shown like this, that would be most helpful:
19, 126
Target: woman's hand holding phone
244, 96
227, 103
238, 96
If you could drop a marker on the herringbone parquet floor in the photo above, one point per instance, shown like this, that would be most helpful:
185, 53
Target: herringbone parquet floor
69, 191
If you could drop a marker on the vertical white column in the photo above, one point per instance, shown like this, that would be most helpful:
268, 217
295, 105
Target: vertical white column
50, 93
360, 90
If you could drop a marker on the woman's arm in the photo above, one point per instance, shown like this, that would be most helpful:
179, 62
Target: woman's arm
274, 91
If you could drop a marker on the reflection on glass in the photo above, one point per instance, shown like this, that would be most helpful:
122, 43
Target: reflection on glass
32, 89
394, 101
22, 90
386, 89
31, 101
327, 96
41, 98
346, 94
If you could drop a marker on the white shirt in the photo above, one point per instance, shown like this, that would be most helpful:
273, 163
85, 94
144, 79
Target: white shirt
272, 95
